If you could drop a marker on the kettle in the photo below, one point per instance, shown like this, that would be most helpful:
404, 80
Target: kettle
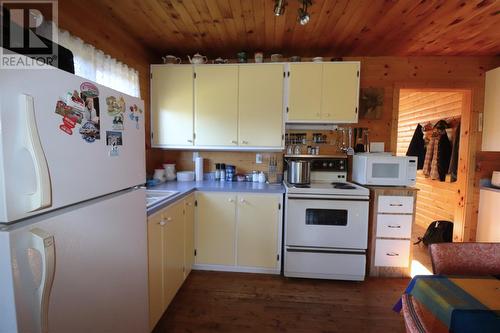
197, 59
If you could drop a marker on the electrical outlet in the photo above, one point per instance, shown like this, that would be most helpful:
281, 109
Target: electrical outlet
258, 158
195, 155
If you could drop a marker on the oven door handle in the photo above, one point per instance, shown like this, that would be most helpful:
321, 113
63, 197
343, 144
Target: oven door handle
327, 198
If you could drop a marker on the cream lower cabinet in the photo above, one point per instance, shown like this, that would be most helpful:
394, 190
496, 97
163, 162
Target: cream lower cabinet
170, 241
258, 219
215, 228
172, 116
238, 231
188, 233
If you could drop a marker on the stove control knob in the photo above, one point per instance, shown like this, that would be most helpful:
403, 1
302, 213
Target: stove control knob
330, 164
341, 167
324, 164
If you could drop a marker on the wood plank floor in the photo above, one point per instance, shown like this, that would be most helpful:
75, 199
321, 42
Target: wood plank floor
238, 302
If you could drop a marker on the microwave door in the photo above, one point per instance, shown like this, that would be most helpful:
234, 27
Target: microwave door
386, 172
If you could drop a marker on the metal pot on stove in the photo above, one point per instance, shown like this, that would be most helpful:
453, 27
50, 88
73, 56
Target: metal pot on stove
299, 172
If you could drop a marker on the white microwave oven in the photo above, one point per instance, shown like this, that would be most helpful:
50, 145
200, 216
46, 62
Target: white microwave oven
384, 169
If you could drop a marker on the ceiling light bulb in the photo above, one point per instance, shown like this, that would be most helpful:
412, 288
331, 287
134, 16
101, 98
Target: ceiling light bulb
279, 7
304, 19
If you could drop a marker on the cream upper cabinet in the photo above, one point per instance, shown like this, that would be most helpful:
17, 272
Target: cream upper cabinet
340, 88
215, 228
260, 105
491, 119
323, 92
257, 232
172, 105
216, 105
174, 250
188, 233
304, 91
155, 269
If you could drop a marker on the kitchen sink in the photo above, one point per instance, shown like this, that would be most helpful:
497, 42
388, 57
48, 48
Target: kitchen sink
154, 196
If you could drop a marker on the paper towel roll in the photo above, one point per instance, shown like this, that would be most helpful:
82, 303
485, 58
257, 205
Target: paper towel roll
198, 168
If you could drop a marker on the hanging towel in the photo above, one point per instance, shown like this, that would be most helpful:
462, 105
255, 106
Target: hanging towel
417, 146
454, 155
429, 156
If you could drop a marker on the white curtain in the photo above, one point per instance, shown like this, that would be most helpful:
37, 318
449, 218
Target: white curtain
94, 65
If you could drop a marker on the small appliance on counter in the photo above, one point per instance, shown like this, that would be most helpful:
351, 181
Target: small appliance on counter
495, 179
384, 169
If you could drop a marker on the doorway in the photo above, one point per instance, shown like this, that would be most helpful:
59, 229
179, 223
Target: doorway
437, 116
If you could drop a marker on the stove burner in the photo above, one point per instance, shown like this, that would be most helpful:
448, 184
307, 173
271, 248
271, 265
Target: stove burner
343, 186
301, 186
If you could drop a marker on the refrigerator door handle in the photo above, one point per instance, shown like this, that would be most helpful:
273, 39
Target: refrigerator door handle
42, 197
44, 243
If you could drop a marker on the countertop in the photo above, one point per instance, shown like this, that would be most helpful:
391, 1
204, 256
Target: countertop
186, 188
485, 184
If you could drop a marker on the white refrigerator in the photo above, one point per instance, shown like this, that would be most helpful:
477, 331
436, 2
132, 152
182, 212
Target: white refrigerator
73, 233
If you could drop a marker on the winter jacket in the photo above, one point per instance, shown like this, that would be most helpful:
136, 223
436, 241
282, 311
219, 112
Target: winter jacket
417, 146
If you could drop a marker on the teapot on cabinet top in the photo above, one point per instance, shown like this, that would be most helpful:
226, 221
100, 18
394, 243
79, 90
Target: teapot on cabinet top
197, 59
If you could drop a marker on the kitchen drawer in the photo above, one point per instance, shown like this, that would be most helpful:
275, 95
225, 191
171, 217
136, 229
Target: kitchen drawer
392, 253
324, 264
395, 226
395, 204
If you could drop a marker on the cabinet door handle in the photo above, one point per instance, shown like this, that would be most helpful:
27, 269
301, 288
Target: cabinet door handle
162, 223
230, 200
392, 254
244, 142
396, 205
190, 141
394, 226
243, 201
169, 219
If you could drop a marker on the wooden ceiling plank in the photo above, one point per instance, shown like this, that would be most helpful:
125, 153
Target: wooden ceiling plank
248, 19
409, 16
358, 15
327, 19
269, 23
455, 23
364, 29
239, 25
220, 25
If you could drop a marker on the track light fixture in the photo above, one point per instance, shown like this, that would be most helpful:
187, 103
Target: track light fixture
279, 7
304, 16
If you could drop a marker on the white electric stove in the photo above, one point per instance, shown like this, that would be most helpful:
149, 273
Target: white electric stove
326, 224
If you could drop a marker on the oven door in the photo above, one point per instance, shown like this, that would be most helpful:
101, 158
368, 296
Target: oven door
327, 223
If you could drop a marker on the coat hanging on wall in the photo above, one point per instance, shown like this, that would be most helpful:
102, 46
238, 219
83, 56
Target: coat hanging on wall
417, 146
438, 154
454, 155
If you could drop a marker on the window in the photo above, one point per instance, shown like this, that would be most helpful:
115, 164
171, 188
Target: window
94, 65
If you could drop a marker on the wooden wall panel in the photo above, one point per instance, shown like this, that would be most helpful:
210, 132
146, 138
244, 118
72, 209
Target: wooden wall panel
244, 161
436, 200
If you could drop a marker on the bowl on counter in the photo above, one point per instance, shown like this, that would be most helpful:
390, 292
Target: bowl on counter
185, 176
